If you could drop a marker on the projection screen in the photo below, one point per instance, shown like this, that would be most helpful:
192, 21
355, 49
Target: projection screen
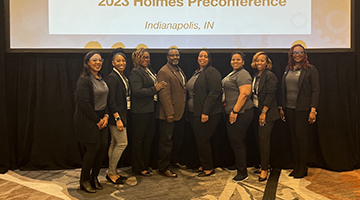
186, 24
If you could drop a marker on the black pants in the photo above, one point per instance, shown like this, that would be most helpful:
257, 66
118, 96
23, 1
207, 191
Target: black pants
237, 137
94, 153
263, 135
298, 124
203, 133
143, 130
170, 143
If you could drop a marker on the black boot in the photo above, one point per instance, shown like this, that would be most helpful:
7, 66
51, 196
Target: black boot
301, 172
95, 183
85, 185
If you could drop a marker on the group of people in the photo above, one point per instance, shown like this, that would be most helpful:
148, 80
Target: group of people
203, 100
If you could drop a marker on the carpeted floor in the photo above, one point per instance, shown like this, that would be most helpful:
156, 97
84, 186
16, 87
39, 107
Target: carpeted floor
64, 184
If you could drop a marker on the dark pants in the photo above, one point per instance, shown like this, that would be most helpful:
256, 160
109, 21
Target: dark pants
203, 133
170, 143
237, 137
143, 130
263, 135
298, 124
94, 154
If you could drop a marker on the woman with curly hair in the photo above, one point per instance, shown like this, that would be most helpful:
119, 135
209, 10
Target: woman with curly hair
144, 88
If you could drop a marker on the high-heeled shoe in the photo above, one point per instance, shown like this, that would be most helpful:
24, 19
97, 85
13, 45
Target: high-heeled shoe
95, 183
145, 173
265, 178
85, 185
117, 181
203, 173
293, 172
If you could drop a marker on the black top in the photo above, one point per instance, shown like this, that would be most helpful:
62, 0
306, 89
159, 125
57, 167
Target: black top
85, 118
142, 91
266, 94
117, 98
309, 89
208, 92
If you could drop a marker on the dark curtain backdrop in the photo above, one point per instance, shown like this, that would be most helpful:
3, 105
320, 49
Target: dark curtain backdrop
36, 110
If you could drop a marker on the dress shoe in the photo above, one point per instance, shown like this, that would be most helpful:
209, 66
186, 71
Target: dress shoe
122, 177
169, 173
95, 183
301, 173
203, 173
292, 173
262, 179
239, 178
118, 180
257, 171
85, 185
145, 173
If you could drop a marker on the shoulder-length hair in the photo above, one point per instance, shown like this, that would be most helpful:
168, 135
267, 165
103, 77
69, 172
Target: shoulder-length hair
304, 64
86, 68
268, 61
137, 55
209, 57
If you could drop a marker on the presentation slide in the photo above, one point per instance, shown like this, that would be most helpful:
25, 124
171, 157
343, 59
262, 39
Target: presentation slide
186, 24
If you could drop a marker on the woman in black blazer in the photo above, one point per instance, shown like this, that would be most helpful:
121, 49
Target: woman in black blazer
119, 104
144, 88
263, 94
205, 109
91, 119
300, 98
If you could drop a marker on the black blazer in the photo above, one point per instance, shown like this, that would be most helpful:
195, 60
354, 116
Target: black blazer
309, 89
117, 98
85, 118
208, 92
267, 92
142, 91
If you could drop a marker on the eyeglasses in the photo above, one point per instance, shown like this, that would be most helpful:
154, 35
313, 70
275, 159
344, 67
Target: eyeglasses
100, 60
174, 55
297, 52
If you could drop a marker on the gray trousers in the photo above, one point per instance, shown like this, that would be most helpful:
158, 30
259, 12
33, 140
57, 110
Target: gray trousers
117, 146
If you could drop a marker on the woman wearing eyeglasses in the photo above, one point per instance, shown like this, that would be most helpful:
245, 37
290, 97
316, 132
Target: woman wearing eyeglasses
300, 97
144, 88
91, 119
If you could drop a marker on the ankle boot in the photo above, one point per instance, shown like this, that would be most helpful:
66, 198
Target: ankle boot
95, 183
85, 185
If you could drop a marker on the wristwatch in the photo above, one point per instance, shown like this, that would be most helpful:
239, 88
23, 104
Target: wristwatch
118, 118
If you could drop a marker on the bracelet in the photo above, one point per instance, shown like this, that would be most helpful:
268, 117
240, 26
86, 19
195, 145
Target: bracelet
117, 119
106, 115
279, 107
263, 111
314, 112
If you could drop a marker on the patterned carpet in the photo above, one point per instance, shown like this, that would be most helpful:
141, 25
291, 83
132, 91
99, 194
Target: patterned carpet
63, 184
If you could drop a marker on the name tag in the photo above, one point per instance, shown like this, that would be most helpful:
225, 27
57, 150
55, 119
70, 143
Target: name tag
255, 101
128, 103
